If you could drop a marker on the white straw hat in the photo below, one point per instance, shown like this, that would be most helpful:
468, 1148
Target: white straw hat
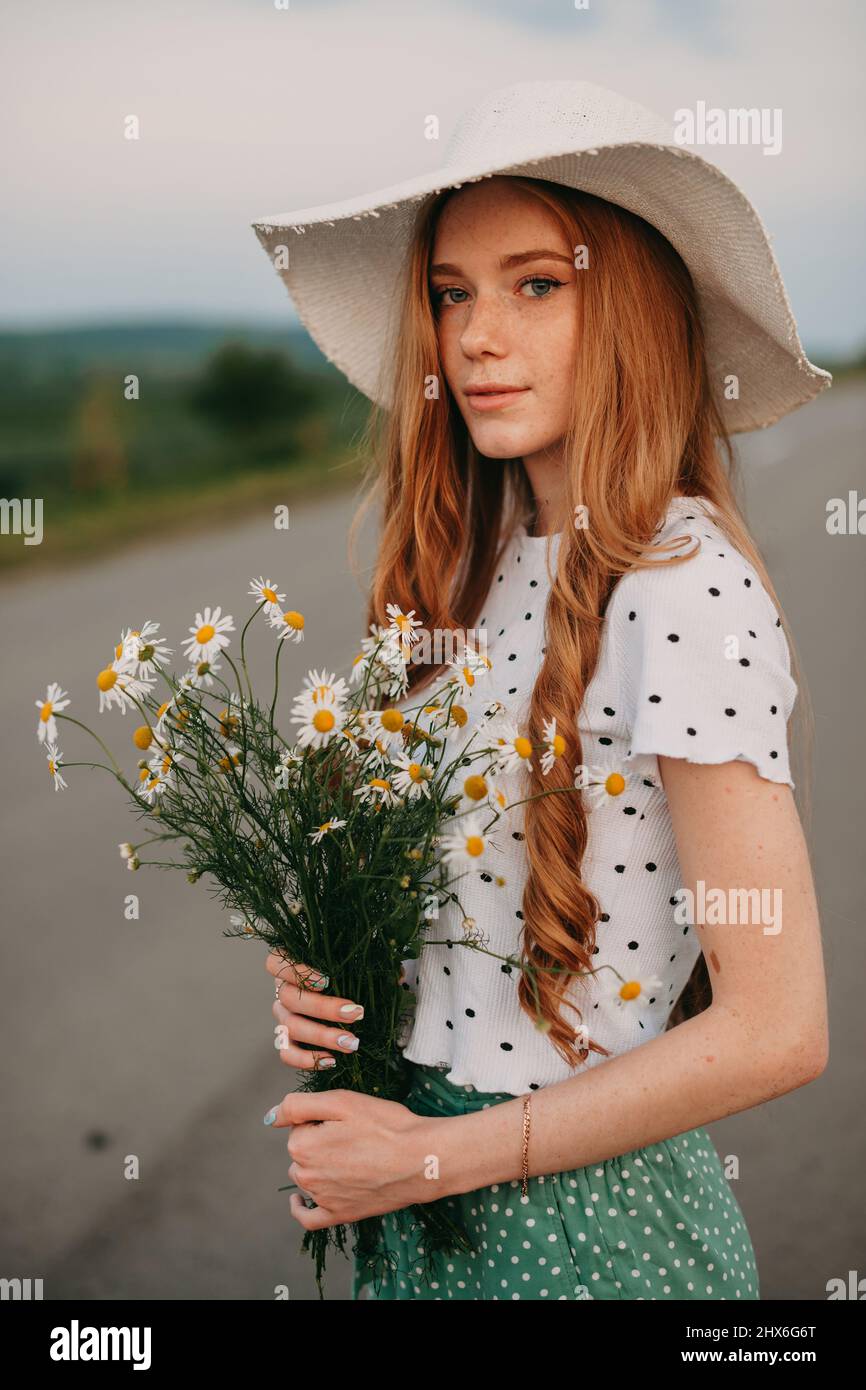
345, 259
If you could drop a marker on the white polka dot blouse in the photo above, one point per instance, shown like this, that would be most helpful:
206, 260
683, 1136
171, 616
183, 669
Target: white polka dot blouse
693, 664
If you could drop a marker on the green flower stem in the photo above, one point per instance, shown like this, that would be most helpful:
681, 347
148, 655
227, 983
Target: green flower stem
107, 751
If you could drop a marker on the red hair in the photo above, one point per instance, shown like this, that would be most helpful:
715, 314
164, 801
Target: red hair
643, 427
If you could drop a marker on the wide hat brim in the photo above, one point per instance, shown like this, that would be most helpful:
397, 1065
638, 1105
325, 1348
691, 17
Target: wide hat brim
342, 263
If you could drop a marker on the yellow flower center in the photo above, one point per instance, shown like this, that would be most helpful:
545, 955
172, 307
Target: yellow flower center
630, 990
615, 783
474, 845
45, 712
392, 720
162, 709
106, 679
142, 738
293, 619
269, 595
557, 745
381, 783
523, 746
468, 676
475, 787
205, 633
51, 766
415, 772
458, 716
323, 721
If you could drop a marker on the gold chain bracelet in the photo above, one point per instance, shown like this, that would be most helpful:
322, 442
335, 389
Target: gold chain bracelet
526, 1122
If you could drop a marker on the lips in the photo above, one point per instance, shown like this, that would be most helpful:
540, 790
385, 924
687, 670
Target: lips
492, 388
493, 395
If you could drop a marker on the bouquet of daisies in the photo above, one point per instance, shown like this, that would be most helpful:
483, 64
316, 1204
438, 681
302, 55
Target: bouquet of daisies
329, 845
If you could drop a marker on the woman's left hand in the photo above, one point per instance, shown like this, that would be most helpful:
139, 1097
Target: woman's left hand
356, 1156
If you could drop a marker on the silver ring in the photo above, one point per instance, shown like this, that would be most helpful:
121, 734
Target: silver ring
277, 993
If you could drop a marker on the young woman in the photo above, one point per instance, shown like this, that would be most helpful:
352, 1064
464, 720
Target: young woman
552, 476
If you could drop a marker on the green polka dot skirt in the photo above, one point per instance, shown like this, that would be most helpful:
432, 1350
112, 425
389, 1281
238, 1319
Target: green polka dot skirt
659, 1222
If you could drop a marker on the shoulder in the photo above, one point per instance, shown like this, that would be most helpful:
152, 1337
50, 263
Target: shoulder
702, 661
714, 586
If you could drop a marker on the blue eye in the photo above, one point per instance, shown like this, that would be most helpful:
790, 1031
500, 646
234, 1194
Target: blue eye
439, 295
547, 280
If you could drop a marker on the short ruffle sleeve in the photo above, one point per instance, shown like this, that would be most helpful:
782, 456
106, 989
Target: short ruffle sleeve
703, 660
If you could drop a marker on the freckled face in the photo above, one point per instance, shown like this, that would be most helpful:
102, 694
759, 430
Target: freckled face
504, 286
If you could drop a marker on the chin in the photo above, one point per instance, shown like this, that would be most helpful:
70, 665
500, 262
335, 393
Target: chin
501, 443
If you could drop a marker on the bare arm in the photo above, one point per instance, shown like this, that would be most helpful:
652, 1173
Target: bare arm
765, 1032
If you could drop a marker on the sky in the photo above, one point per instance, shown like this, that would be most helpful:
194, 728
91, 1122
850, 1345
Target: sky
247, 109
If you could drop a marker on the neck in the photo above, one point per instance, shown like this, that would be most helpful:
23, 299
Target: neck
545, 471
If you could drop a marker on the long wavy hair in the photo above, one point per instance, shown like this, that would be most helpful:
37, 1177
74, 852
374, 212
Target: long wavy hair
643, 427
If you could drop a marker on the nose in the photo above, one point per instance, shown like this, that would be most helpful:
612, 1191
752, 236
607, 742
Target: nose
484, 330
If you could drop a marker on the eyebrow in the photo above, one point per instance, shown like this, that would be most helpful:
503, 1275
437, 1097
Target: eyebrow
506, 262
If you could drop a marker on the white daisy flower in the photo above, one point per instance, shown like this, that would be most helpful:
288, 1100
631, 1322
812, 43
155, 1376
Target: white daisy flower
400, 634
322, 688
484, 788
202, 674
635, 993
413, 778
602, 782
320, 722
468, 845
287, 768
118, 686
245, 927
467, 670
512, 749
373, 650
145, 651
265, 590
554, 745
325, 829
385, 727
208, 635
290, 625
55, 701
379, 791
158, 775
55, 758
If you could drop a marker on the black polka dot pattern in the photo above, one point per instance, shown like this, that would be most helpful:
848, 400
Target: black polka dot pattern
692, 664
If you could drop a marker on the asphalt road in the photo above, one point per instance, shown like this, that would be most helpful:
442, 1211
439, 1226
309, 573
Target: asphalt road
153, 1037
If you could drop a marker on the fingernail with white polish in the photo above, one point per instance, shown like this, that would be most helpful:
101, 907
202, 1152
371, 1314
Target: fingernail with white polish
271, 1115
326, 1062
348, 1042
348, 1009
